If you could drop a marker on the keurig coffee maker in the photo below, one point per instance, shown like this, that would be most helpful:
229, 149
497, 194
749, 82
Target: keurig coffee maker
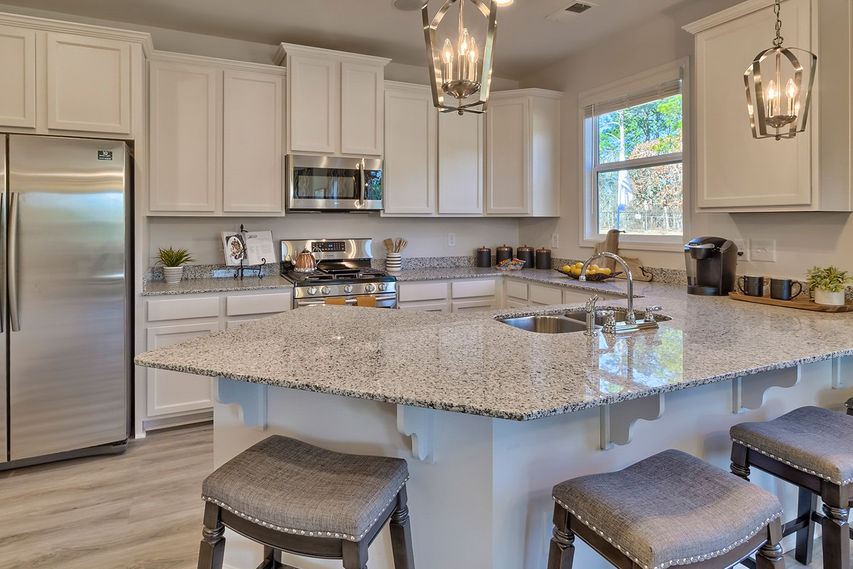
711, 265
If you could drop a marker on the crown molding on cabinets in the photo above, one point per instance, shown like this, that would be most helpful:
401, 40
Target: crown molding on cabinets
727, 15
85, 30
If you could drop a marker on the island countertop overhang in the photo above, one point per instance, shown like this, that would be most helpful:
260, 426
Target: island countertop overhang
470, 363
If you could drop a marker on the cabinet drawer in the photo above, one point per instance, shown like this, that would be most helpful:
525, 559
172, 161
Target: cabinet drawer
183, 308
423, 291
545, 295
257, 303
467, 289
515, 289
472, 305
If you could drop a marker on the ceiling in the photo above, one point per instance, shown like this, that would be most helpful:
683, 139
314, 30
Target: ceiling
526, 41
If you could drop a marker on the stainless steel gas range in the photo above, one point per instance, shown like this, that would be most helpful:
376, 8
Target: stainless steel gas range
343, 274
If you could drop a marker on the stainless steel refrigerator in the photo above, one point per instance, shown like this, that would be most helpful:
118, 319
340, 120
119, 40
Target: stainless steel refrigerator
64, 294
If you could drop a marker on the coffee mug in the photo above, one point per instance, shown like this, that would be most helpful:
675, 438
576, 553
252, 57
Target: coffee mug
781, 289
751, 286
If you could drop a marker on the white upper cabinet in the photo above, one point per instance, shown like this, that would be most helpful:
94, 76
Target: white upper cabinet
184, 137
460, 164
334, 101
216, 137
523, 153
736, 172
409, 177
17, 77
63, 78
88, 84
252, 143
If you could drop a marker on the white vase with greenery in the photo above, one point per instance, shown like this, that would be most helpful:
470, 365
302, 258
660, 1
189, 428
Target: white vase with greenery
173, 263
828, 284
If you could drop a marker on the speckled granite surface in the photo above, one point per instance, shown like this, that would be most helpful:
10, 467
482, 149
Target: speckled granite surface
473, 364
224, 284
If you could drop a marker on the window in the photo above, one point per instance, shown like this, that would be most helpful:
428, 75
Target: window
633, 143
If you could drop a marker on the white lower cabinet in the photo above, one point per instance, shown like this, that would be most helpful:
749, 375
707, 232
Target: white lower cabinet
519, 294
170, 391
172, 397
449, 296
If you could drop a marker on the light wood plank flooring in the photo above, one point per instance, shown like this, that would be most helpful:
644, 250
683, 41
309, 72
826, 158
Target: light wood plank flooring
139, 510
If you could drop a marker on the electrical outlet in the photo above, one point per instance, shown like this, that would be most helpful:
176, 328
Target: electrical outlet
451, 240
555, 241
762, 250
742, 249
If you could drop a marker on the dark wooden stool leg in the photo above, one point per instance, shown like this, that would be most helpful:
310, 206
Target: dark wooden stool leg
212, 548
401, 534
849, 405
836, 537
806, 504
740, 464
769, 555
269, 561
355, 555
562, 550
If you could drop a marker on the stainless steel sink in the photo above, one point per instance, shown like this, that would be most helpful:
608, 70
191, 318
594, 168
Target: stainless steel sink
546, 324
573, 321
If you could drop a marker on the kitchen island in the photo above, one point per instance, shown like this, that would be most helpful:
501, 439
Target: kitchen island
490, 417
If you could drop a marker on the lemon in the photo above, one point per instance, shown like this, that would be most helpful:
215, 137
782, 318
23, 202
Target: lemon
604, 271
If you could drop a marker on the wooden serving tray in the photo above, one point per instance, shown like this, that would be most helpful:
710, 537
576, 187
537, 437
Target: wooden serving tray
802, 304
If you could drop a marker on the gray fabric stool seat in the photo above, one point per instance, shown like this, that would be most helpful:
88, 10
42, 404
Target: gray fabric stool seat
812, 448
671, 509
295, 497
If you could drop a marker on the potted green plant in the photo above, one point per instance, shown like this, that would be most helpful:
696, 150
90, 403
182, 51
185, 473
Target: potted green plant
828, 284
173, 263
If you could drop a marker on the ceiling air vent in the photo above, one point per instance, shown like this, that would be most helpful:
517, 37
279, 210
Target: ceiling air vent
570, 11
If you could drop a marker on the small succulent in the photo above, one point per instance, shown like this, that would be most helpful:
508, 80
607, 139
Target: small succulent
830, 279
174, 257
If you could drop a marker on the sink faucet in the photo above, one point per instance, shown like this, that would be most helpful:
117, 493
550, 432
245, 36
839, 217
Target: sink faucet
630, 318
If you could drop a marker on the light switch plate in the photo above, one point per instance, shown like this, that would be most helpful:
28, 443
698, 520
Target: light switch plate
555, 241
451, 240
762, 250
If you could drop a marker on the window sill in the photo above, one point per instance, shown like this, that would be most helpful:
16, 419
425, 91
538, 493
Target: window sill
628, 244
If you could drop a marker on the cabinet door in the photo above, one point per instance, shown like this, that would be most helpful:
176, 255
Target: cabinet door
170, 391
541, 294
17, 77
508, 149
410, 152
473, 305
460, 164
361, 109
734, 170
88, 84
314, 103
184, 138
251, 149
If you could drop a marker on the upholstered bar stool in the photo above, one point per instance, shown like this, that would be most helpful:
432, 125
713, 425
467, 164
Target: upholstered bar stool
294, 497
671, 509
811, 448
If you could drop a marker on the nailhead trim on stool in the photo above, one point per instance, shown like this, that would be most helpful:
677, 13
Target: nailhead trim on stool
793, 465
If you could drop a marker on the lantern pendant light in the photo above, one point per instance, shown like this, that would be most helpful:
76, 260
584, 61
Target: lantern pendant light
776, 111
458, 69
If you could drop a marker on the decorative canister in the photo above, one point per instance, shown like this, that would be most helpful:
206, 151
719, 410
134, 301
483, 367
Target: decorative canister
484, 257
543, 258
393, 262
503, 252
525, 254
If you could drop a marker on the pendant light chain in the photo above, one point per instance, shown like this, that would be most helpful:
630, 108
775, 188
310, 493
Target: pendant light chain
776, 10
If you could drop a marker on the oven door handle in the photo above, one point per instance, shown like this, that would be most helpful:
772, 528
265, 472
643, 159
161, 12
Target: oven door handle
350, 301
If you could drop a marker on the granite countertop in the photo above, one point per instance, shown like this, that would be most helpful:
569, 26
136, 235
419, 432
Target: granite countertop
470, 363
543, 276
224, 284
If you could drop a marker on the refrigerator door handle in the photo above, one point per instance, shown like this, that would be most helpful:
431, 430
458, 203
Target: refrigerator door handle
3, 279
12, 260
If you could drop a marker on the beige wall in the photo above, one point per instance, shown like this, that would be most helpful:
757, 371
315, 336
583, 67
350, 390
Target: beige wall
802, 239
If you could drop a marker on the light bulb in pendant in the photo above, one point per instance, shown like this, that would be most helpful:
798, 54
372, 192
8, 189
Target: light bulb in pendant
463, 43
772, 94
473, 58
447, 62
791, 92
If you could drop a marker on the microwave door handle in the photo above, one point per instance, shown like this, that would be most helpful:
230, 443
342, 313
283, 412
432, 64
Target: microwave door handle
363, 179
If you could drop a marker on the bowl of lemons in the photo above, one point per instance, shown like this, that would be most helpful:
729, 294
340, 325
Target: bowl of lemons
593, 272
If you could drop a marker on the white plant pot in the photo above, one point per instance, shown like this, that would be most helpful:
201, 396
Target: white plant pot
831, 298
173, 274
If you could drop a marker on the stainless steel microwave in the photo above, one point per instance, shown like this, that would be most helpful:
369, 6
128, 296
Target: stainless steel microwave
324, 183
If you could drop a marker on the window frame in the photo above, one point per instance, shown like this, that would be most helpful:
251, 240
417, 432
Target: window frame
588, 146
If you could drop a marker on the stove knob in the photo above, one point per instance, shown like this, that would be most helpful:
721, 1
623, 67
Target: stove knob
325, 290
382, 287
348, 289
369, 287
312, 290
